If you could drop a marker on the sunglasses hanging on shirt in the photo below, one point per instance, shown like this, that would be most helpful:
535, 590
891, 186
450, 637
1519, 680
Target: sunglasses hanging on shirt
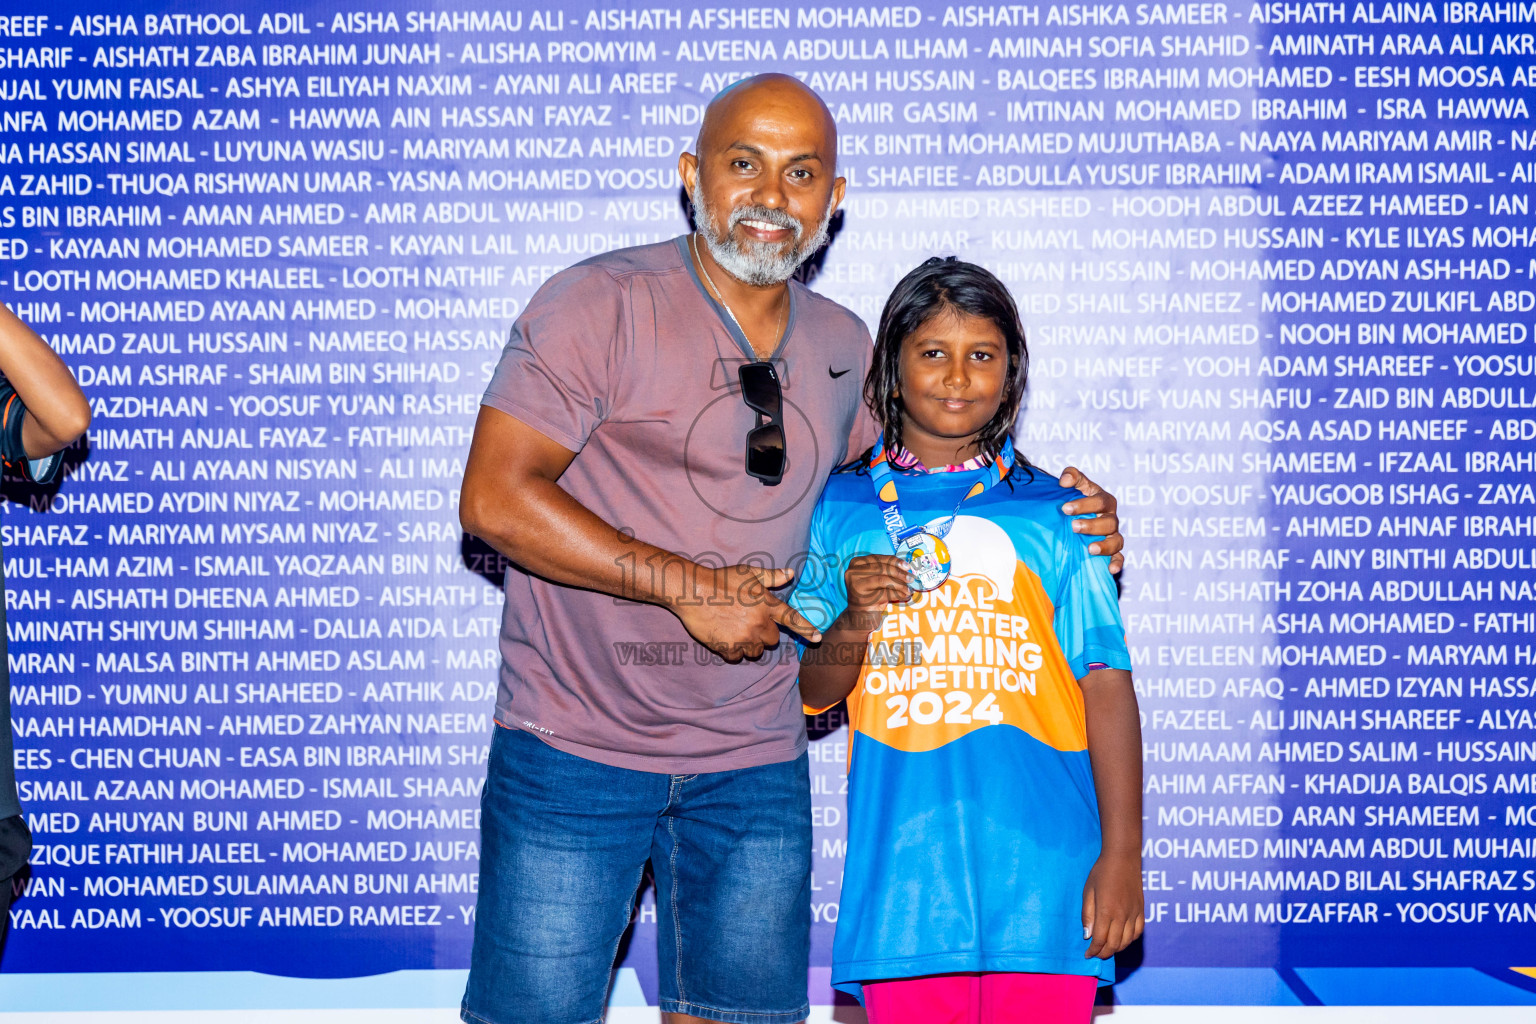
765, 442
760, 390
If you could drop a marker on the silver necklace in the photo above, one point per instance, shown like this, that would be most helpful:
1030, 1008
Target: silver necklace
693, 240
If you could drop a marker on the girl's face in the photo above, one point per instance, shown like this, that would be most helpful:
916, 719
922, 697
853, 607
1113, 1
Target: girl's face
954, 371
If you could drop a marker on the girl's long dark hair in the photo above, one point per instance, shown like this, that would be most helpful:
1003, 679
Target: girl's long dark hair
939, 285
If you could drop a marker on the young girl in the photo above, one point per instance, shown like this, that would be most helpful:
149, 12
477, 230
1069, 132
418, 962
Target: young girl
994, 799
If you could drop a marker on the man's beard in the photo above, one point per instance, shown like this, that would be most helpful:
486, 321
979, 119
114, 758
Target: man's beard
757, 263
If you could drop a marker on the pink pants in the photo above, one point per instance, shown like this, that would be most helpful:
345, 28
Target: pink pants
982, 999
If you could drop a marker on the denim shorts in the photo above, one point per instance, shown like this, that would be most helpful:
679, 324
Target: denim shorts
564, 842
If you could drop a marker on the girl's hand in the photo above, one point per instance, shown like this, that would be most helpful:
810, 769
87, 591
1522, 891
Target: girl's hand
874, 581
829, 672
1113, 905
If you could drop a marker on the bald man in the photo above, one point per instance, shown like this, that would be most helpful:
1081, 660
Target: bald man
648, 454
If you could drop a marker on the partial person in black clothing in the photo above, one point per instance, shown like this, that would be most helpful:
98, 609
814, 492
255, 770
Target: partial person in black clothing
42, 411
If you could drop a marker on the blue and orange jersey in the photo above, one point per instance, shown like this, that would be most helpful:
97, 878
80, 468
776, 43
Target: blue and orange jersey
972, 819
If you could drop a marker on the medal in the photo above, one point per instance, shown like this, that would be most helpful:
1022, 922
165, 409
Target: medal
927, 559
922, 548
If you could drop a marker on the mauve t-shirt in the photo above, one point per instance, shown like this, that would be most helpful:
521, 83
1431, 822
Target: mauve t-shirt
626, 360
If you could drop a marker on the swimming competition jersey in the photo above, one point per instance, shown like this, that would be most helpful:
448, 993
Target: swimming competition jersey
972, 818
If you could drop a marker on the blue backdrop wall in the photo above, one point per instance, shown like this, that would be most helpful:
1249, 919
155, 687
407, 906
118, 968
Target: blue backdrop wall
1275, 263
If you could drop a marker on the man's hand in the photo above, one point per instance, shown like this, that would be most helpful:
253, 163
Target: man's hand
1113, 911
733, 614
873, 581
1102, 505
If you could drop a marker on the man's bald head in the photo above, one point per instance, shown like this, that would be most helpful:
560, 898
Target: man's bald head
763, 179
762, 93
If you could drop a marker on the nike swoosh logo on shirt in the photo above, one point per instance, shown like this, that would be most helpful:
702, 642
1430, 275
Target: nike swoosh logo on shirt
834, 374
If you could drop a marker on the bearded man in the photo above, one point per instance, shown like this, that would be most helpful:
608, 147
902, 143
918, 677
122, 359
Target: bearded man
648, 455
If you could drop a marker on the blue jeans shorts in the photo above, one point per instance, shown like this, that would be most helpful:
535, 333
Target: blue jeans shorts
564, 842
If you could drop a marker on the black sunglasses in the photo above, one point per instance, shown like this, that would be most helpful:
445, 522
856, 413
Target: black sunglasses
765, 442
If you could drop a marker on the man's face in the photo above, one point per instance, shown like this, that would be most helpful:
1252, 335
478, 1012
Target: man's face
764, 184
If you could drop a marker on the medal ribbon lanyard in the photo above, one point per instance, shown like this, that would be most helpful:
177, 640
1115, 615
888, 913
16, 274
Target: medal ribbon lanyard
884, 480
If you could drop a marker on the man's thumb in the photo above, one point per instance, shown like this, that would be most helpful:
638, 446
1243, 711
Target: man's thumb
774, 578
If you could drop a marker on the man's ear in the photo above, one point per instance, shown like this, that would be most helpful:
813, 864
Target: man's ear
688, 170
839, 189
